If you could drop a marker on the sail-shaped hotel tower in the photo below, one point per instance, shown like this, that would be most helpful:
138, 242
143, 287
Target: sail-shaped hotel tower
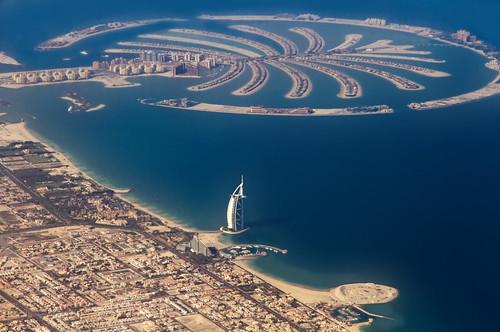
235, 213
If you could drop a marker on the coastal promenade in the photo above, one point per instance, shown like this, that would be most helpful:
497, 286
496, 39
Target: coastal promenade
265, 49
302, 84
235, 69
288, 46
222, 46
398, 81
259, 78
315, 41
349, 87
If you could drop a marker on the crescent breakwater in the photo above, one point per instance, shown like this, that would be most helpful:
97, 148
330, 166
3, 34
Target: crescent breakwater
189, 105
259, 78
398, 81
288, 46
302, 85
349, 87
73, 37
265, 49
316, 42
489, 90
231, 48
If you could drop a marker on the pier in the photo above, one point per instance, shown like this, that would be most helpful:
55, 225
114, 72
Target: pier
230, 48
302, 85
316, 42
288, 46
398, 81
235, 69
349, 87
265, 49
260, 75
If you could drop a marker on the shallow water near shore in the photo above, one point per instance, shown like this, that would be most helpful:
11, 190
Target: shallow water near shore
408, 199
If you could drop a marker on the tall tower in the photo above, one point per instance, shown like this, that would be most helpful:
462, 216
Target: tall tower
235, 213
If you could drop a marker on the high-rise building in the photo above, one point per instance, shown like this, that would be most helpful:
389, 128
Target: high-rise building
462, 35
235, 213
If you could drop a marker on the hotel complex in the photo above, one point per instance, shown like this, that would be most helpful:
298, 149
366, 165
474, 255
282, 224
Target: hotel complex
235, 216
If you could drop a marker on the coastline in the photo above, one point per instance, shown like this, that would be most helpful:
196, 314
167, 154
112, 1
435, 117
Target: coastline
21, 131
307, 295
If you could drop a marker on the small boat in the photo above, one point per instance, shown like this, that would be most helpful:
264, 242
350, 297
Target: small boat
84, 53
70, 108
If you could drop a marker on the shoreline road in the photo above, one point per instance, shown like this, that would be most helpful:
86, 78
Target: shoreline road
349, 42
265, 49
302, 85
316, 42
260, 75
235, 69
288, 46
231, 48
403, 66
174, 47
349, 87
398, 81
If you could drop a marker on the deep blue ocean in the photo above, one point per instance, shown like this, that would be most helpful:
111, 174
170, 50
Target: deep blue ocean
411, 199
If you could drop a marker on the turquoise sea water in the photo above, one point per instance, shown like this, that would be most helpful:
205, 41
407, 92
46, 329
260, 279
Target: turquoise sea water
409, 199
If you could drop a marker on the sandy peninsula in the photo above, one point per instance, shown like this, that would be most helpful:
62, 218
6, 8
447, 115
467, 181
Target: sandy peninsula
8, 60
